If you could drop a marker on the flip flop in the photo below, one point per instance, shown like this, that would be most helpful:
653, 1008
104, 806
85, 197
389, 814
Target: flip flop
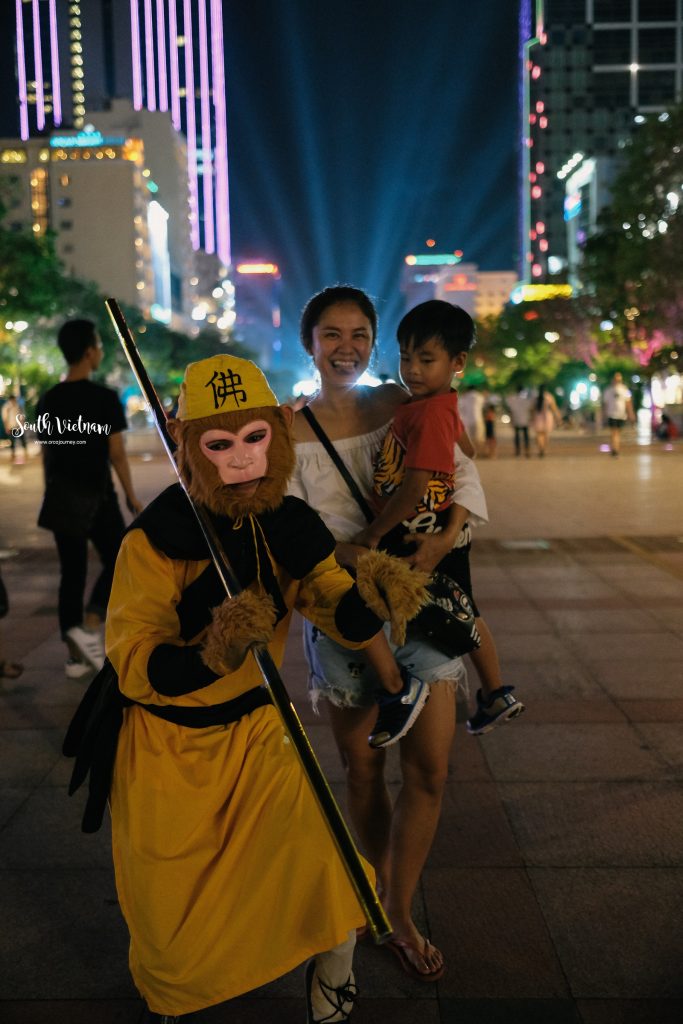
400, 947
10, 669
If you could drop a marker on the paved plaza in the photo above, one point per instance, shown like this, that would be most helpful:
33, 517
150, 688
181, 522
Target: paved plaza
555, 884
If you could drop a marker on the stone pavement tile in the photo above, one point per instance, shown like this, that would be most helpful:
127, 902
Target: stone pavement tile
509, 1011
368, 1010
621, 646
47, 686
660, 585
667, 740
467, 762
70, 1011
652, 710
617, 933
631, 1011
586, 710
634, 675
572, 752
45, 833
488, 923
553, 680
11, 799
28, 755
597, 824
533, 648
519, 620
38, 716
671, 617
541, 591
63, 936
473, 829
602, 620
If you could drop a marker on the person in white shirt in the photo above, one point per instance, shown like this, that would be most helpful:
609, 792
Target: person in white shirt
471, 409
519, 407
618, 407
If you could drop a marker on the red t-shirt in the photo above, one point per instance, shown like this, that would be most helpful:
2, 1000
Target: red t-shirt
423, 435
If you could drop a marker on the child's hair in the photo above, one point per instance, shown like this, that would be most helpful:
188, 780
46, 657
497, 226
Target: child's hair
438, 319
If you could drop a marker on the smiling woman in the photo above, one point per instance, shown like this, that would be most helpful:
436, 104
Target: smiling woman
338, 329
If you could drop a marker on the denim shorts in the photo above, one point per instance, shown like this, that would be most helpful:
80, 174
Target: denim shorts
346, 679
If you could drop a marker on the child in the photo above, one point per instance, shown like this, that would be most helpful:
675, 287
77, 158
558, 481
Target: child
414, 473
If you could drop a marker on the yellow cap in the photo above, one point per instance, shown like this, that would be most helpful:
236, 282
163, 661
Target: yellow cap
222, 384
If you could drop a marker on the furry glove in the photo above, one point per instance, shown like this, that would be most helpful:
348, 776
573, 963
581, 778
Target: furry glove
239, 623
391, 589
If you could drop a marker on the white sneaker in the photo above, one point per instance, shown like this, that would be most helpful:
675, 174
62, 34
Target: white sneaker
76, 669
88, 644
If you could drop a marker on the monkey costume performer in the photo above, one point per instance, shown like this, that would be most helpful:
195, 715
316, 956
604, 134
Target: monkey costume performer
226, 873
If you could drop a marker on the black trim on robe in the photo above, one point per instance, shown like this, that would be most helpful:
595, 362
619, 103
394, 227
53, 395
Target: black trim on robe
353, 618
174, 671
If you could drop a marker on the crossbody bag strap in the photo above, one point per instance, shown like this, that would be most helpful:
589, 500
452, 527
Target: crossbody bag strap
338, 462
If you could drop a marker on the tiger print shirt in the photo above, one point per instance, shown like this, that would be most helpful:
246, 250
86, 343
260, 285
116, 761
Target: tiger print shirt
422, 435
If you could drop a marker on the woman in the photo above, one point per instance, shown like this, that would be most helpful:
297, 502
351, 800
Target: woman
339, 329
546, 416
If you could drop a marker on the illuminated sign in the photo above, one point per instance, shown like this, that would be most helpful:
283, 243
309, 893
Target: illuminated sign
540, 292
443, 260
257, 268
572, 205
84, 139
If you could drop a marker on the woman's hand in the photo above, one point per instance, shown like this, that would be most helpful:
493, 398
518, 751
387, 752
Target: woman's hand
430, 549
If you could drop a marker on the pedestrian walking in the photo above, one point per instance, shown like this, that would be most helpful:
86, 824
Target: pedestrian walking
471, 405
618, 408
546, 416
80, 427
519, 407
14, 424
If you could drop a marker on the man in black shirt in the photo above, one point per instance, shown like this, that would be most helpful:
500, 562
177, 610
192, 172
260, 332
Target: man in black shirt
80, 426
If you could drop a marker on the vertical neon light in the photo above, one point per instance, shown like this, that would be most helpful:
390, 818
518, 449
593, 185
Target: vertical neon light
137, 65
38, 62
54, 59
207, 160
149, 57
161, 50
222, 188
191, 126
175, 75
21, 70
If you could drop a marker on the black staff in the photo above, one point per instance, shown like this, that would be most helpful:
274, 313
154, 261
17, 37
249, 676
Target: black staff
367, 897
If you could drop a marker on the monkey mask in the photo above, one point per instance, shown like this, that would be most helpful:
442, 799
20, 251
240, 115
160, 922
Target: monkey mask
235, 452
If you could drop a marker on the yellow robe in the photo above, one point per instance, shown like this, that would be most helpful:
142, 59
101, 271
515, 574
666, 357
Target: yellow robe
226, 873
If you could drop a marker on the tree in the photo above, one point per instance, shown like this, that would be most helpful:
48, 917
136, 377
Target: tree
632, 264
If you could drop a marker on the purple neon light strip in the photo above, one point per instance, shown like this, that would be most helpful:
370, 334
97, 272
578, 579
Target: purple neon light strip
38, 62
161, 52
149, 57
207, 161
137, 65
222, 188
54, 58
21, 70
175, 75
191, 126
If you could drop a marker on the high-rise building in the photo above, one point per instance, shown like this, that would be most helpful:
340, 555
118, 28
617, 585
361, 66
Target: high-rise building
73, 57
61, 183
589, 71
444, 276
257, 308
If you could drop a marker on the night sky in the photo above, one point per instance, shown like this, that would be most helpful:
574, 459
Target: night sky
360, 128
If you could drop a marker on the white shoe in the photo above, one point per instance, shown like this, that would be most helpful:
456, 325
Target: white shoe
76, 669
88, 644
